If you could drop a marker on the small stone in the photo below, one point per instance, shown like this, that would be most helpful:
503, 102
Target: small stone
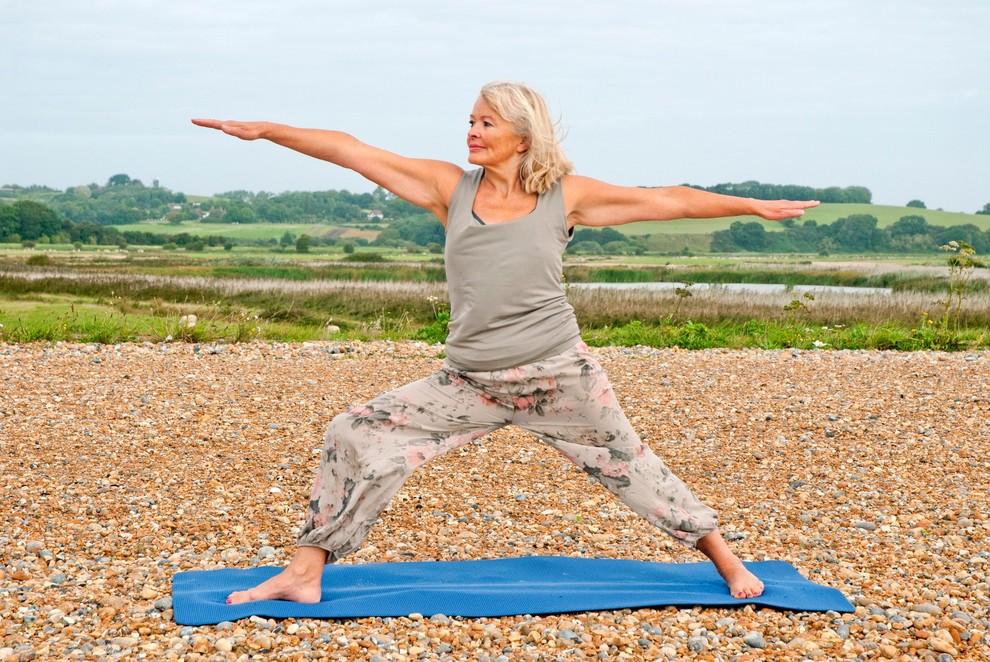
927, 608
754, 640
260, 642
942, 646
223, 645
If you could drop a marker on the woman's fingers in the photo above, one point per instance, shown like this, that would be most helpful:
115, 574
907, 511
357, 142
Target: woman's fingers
777, 210
242, 130
208, 123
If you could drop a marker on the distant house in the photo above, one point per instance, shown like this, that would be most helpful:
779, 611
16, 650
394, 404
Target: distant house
374, 214
6, 193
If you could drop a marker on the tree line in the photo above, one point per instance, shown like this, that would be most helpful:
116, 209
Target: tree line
761, 191
85, 214
857, 233
30, 223
123, 200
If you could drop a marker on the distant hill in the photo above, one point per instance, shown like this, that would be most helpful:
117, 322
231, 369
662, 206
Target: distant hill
824, 214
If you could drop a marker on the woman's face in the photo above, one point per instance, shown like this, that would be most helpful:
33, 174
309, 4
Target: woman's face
491, 139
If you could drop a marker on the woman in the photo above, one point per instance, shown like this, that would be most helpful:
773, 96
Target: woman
514, 353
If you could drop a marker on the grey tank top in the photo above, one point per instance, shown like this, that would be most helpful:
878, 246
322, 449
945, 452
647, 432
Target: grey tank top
507, 305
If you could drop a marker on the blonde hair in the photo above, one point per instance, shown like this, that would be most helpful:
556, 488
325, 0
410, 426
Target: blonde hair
543, 163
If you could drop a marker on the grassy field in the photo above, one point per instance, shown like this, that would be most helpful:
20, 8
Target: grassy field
247, 232
117, 295
825, 214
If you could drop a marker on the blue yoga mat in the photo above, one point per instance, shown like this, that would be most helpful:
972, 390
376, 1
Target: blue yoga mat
498, 587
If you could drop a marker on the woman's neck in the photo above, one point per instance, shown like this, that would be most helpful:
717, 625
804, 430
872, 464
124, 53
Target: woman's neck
504, 182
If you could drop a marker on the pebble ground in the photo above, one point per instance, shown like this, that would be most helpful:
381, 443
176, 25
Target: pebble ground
122, 465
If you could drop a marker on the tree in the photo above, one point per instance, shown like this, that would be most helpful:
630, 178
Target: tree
303, 243
118, 180
9, 222
857, 233
33, 220
985, 210
722, 242
917, 203
908, 225
288, 239
748, 236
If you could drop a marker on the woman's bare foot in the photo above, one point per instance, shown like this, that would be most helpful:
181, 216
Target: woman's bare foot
742, 583
300, 581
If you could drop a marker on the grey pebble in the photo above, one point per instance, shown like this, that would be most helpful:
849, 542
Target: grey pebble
754, 640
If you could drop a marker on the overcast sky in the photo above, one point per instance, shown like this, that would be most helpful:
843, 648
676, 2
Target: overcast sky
889, 94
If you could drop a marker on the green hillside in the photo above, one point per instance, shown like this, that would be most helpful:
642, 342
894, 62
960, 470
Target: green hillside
824, 214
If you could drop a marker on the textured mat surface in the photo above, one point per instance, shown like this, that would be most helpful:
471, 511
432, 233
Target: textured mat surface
497, 587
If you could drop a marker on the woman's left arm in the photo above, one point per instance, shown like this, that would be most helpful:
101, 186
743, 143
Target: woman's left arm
595, 203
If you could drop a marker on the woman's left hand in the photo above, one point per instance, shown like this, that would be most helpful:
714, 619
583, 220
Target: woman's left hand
778, 210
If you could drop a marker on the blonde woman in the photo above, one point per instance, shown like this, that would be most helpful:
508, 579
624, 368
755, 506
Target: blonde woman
514, 352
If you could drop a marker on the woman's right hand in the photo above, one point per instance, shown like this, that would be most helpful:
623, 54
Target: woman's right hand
423, 182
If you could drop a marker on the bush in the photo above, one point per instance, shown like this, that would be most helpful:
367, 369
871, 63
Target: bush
365, 257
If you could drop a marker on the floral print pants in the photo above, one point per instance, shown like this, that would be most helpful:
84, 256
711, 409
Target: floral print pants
565, 400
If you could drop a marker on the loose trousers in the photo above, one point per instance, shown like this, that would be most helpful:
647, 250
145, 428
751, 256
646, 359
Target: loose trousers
565, 400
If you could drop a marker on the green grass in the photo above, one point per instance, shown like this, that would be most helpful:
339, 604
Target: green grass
786, 335
78, 319
283, 297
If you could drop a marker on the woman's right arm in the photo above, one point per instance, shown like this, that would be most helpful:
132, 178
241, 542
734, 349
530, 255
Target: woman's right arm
423, 182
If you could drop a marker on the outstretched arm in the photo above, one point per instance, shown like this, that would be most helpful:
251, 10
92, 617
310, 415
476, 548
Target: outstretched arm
423, 182
595, 203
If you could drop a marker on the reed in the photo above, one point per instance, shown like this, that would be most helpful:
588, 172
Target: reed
233, 304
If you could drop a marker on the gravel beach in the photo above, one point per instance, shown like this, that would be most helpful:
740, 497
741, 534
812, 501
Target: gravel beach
122, 465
